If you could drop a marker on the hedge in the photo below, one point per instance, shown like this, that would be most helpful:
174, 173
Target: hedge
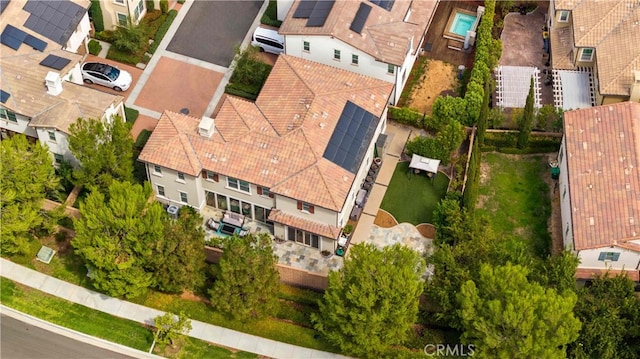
96, 15
241, 91
406, 116
142, 139
94, 47
162, 30
164, 6
131, 115
270, 16
506, 142
126, 58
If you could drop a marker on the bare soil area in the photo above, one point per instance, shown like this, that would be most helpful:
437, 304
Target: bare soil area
384, 219
438, 79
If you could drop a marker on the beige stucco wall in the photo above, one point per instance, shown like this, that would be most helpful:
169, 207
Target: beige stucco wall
111, 8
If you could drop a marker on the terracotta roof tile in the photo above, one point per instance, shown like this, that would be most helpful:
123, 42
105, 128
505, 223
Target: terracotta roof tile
590, 273
320, 229
603, 157
385, 36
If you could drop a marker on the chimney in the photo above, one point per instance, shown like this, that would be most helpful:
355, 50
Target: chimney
206, 127
54, 83
635, 87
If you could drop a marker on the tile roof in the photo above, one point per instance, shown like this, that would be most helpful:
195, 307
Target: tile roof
320, 229
590, 273
603, 158
279, 140
386, 35
22, 76
612, 27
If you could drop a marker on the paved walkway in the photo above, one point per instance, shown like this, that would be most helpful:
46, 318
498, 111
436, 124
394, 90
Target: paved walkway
123, 309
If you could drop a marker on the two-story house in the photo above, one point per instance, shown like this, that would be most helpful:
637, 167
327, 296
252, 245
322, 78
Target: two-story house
40, 78
381, 39
602, 37
600, 188
120, 12
293, 160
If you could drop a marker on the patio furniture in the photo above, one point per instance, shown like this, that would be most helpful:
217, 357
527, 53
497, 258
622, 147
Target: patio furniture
355, 213
243, 232
360, 197
234, 219
213, 224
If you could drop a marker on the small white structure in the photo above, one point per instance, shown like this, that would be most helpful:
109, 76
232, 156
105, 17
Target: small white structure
513, 86
45, 254
424, 164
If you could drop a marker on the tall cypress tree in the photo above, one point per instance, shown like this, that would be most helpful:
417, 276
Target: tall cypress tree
528, 116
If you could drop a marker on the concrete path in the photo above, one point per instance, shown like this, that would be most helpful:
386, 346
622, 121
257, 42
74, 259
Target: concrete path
123, 309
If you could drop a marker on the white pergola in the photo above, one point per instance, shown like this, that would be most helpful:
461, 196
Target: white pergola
424, 164
513, 86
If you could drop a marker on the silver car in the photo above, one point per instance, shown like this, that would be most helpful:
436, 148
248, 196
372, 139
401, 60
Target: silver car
106, 75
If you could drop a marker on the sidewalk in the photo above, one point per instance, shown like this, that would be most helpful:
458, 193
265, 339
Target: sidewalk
123, 309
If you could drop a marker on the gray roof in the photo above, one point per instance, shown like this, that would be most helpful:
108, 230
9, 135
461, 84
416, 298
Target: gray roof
56, 20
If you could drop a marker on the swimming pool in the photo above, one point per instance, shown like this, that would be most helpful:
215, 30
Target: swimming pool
462, 23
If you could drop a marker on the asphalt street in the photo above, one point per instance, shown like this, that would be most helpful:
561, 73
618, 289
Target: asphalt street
212, 29
21, 340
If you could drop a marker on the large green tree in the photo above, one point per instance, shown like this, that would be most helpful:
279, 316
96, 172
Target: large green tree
610, 311
26, 175
115, 236
372, 301
506, 316
105, 152
247, 280
178, 259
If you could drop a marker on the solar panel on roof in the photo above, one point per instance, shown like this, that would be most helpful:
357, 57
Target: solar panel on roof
36, 43
385, 4
304, 9
361, 17
351, 137
12, 37
320, 12
4, 96
55, 20
55, 62
3, 5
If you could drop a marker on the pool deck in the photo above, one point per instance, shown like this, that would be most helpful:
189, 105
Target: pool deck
447, 29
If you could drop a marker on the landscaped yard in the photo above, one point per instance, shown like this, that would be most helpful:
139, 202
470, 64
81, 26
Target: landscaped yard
413, 197
514, 195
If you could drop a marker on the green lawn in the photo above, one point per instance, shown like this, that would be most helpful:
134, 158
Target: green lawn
516, 198
413, 197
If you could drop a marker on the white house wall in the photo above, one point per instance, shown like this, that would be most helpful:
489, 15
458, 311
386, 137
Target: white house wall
74, 75
565, 195
320, 215
283, 8
628, 259
21, 126
168, 178
58, 146
79, 35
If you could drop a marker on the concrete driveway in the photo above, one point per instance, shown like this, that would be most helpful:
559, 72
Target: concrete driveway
211, 30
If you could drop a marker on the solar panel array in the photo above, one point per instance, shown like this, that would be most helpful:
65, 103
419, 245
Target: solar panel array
55, 20
316, 11
361, 17
55, 62
385, 4
4, 96
14, 37
3, 5
351, 137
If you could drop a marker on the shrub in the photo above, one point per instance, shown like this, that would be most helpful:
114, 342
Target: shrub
142, 139
150, 5
105, 35
164, 6
506, 142
447, 109
406, 116
131, 38
547, 118
249, 74
162, 30
123, 57
131, 115
94, 47
237, 90
96, 15
270, 16
181, 2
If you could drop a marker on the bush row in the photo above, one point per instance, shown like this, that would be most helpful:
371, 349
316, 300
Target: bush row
440, 147
506, 142
96, 15
241, 90
270, 16
131, 115
162, 30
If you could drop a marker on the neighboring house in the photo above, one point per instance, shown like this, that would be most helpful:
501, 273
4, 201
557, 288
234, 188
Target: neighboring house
381, 38
41, 84
294, 159
119, 12
600, 188
600, 36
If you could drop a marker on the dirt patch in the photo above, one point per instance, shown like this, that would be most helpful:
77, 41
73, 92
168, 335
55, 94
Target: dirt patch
439, 78
194, 298
384, 219
555, 222
484, 172
427, 230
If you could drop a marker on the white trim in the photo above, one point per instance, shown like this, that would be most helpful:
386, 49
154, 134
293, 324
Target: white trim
118, 18
563, 12
581, 56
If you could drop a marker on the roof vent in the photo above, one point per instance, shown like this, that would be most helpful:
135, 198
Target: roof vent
321, 124
592, 221
584, 145
303, 100
348, 84
263, 145
206, 127
632, 221
290, 127
296, 116
274, 159
325, 114
373, 97
307, 106
627, 186
621, 134
54, 83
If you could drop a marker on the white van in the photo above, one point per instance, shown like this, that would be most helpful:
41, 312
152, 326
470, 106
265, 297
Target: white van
268, 40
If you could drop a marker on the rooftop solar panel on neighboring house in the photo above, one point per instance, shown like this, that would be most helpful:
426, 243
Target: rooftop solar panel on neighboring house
12, 37
361, 17
4, 96
351, 137
3, 5
55, 62
36, 43
55, 20
320, 12
303, 11
385, 4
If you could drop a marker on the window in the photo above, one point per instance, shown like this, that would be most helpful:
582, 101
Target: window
139, 9
354, 59
119, 1
336, 54
306, 238
52, 135
183, 197
161, 191
268, 42
564, 16
157, 170
262, 214
306, 46
238, 184
210, 175
58, 158
222, 202
8, 115
609, 256
264, 191
181, 176
122, 19
586, 54
305, 207
234, 205
391, 69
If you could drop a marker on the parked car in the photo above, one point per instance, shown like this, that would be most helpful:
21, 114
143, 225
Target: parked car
268, 40
106, 75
